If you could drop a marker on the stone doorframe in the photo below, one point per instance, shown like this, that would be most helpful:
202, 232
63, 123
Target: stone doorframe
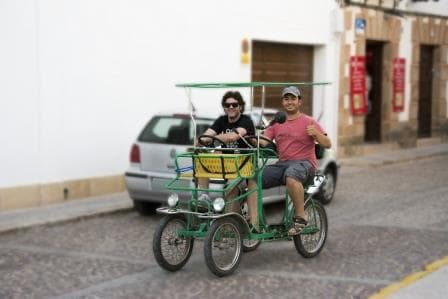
432, 32
379, 27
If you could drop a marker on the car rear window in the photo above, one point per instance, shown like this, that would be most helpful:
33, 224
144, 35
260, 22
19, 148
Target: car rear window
173, 129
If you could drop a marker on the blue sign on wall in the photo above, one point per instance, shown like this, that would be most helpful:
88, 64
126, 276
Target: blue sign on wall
360, 25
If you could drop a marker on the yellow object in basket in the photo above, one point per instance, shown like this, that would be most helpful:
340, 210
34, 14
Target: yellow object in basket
223, 166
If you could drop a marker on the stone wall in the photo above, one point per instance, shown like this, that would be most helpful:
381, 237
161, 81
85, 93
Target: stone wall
387, 29
42, 194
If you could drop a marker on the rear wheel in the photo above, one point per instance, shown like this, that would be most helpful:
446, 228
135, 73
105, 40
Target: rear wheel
223, 246
312, 239
170, 250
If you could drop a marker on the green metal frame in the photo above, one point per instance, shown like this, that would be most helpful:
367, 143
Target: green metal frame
247, 84
198, 222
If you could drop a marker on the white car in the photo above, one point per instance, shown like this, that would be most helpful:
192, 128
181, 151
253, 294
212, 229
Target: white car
152, 163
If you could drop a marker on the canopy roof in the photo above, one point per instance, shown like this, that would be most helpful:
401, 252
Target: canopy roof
248, 84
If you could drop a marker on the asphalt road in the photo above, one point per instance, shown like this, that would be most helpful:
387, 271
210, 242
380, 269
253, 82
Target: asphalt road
384, 223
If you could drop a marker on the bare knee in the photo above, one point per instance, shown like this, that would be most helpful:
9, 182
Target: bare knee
292, 182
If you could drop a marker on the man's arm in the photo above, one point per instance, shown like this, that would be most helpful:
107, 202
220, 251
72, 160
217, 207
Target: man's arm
209, 132
318, 136
323, 140
232, 136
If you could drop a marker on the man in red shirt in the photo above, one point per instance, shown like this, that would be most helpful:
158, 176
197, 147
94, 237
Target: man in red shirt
295, 140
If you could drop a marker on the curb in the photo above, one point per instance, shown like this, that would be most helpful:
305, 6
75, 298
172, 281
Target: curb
62, 212
408, 280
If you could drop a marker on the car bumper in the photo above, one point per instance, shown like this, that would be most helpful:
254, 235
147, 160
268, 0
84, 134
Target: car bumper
152, 188
144, 187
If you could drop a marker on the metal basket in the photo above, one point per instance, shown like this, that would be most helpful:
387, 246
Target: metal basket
223, 166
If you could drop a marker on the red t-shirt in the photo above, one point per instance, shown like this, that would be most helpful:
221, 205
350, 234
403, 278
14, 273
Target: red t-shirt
293, 142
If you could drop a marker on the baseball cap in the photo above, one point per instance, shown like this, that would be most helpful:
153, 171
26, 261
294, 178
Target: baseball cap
292, 90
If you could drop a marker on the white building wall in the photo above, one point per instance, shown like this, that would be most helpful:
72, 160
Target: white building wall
20, 132
78, 79
437, 7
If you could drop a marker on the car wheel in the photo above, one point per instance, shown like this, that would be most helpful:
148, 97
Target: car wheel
145, 208
326, 191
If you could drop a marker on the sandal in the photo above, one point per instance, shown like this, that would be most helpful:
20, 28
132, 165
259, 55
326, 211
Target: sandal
298, 224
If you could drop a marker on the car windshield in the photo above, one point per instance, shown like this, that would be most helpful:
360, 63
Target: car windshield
173, 129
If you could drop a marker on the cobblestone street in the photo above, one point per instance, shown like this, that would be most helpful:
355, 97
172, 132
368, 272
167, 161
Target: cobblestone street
384, 223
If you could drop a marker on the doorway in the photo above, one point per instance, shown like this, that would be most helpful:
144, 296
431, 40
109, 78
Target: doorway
374, 61
425, 91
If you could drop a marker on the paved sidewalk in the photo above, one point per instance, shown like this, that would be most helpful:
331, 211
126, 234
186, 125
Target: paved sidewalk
396, 156
69, 210
431, 283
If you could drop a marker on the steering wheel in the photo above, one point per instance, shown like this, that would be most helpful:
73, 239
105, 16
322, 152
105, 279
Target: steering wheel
252, 139
216, 141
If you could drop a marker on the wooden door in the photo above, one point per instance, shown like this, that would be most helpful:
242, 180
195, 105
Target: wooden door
278, 62
374, 62
425, 91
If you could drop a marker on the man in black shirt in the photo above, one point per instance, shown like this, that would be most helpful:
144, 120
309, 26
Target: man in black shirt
230, 128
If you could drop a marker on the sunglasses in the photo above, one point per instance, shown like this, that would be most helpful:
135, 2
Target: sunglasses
233, 105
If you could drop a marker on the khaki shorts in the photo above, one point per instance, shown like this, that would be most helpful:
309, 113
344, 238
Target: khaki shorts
275, 175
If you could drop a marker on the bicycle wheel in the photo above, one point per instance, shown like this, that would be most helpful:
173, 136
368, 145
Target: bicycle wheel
250, 245
171, 251
222, 246
312, 239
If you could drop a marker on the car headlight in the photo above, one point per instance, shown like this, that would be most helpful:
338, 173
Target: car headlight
219, 204
172, 200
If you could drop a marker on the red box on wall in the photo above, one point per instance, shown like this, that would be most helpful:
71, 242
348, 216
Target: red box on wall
358, 100
398, 84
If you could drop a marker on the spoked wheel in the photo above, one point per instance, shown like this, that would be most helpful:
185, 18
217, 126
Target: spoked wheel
222, 246
248, 245
170, 250
312, 239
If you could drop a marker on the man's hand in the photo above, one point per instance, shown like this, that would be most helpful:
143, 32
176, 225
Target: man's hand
320, 138
311, 130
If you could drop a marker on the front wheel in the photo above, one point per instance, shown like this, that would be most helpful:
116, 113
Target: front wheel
222, 246
171, 251
312, 239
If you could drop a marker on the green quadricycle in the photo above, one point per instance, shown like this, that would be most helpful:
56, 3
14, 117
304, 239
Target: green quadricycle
227, 234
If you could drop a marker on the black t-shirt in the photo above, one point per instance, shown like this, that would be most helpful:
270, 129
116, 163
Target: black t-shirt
222, 126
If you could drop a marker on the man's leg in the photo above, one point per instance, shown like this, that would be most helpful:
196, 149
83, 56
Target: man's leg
296, 192
203, 183
297, 173
235, 204
252, 203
